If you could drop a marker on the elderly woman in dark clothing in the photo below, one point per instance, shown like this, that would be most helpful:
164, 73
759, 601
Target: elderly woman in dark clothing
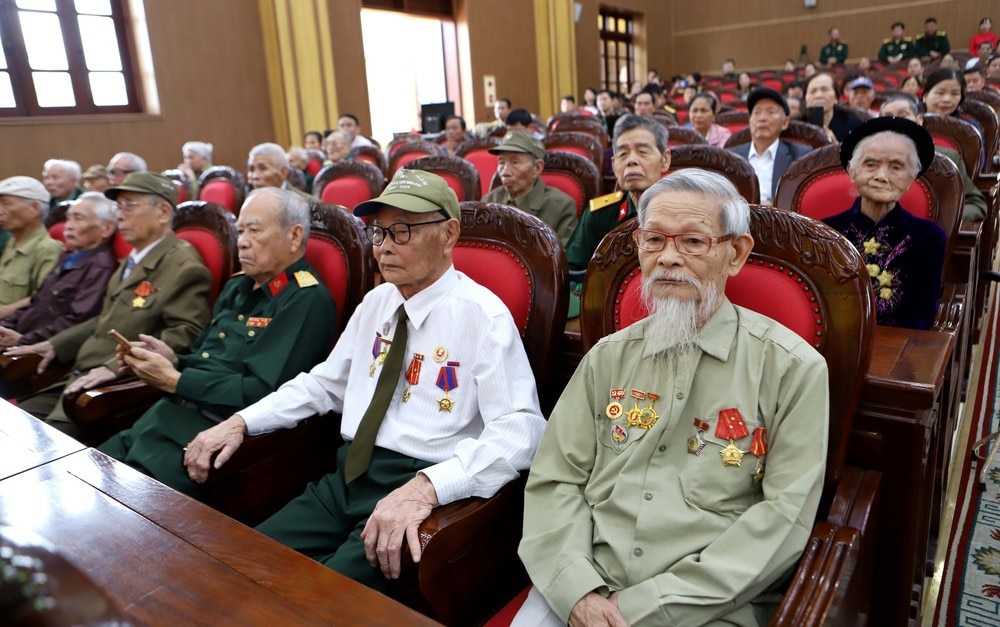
822, 91
904, 253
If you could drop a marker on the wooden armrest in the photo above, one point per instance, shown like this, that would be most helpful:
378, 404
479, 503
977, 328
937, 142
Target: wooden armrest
20, 373
950, 308
855, 503
104, 411
469, 566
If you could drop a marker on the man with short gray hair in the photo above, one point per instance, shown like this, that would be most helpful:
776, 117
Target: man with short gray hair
61, 178
123, 164
73, 291
197, 158
665, 514
267, 166
30, 253
269, 324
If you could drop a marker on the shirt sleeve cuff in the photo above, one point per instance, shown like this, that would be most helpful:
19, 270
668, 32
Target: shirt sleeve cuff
573, 582
450, 480
639, 601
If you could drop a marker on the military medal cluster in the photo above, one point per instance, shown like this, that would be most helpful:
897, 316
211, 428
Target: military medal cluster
732, 427
142, 290
447, 378
642, 417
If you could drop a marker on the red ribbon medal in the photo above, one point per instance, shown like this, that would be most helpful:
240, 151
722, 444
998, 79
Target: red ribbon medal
144, 289
412, 374
447, 380
731, 425
759, 445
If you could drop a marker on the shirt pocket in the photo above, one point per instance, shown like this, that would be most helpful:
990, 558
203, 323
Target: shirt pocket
15, 280
617, 435
709, 483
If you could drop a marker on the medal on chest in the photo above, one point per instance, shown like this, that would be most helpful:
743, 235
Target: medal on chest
758, 446
144, 289
731, 426
379, 350
412, 374
696, 443
447, 380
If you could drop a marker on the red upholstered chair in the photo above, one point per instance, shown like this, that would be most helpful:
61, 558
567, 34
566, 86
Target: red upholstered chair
315, 162
410, 151
369, 154
104, 411
665, 118
680, 136
958, 135
461, 176
401, 140
577, 115
477, 152
222, 185
773, 82
738, 170
469, 566
348, 183
181, 182
583, 144
571, 174
808, 277
735, 121
989, 121
120, 246
55, 221
797, 132
580, 124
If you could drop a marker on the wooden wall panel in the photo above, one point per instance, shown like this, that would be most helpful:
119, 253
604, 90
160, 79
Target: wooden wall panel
349, 61
209, 67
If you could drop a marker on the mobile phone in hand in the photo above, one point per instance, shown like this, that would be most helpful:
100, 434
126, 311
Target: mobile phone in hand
814, 115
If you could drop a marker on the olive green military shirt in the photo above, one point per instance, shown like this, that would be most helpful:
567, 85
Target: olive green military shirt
596, 221
24, 265
938, 42
654, 513
836, 51
891, 48
548, 204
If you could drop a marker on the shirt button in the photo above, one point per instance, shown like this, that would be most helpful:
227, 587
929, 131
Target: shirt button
205, 355
663, 447
240, 317
648, 496
251, 333
680, 395
222, 335
637, 552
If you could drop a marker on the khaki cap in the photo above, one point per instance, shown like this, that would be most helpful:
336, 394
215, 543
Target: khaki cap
146, 183
415, 191
25, 187
95, 172
519, 141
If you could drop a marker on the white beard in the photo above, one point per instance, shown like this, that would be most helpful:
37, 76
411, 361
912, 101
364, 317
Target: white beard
675, 322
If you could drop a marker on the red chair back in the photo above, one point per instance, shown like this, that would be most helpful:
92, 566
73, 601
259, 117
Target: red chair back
327, 258
349, 191
222, 185
205, 242
476, 152
120, 246
182, 192
211, 229
348, 183
220, 192
58, 231
501, 272
313, 166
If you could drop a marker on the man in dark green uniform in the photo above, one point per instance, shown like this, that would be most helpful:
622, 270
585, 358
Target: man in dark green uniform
271, 323
896, 47
932, 44
640, 158
835, 52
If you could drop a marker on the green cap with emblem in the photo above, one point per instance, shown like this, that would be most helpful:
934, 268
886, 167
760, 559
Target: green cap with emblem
146, 183
415, 191
519, 141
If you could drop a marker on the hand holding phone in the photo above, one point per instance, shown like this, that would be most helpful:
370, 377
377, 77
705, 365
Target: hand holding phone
814, 115
122, 341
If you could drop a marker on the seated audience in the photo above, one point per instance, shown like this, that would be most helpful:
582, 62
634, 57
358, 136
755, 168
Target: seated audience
862, 94
790, 66
975, 78
897, 46
567, 104
822, 91
636, 518
520, 120
944, 93
864, 67
984, 34
123, 164
701, 116
61, 178
299, 158
912, 85
933, 44
337, 146
766, 152
834, 52
744, 84
197, 157
462, 426
520, 162
590, 100
161, 289
915, 68
29, 254
72, 292
454, 133
312, 140
606, 109
795, 110
993, 69
659, 98
501, 108
905, 106
639, 159
349, 124
986, 50
644, 104
904, 253
95, 179
269, 324
267, 166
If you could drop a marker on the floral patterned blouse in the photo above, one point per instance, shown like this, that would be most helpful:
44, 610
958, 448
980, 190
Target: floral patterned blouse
905, 257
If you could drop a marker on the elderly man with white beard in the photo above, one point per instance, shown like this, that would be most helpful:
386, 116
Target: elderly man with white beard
679, 476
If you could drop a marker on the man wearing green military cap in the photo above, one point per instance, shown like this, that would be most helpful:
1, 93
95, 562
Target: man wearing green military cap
161, 289
435, 391
269, 324
520, 162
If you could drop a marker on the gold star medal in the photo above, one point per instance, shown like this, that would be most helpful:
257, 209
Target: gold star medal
648, 415
447, 380
138, 301
144, 289
731, 426
635, 412
731, 455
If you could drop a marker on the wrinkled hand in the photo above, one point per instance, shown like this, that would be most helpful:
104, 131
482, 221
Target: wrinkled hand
152, 368
8, 337
593, 609
224, 437
94, 378
399, 514
41, 348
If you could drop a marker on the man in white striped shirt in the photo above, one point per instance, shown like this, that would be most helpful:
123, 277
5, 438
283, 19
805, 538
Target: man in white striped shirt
456, 414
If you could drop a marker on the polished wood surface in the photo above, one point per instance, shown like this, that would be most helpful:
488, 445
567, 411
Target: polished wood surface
907, 367
166, 559
26, 442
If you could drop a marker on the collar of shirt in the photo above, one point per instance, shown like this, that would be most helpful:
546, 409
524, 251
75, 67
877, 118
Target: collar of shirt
420, 305
531, 199
715, 338
769, 153
138, 256
29, 243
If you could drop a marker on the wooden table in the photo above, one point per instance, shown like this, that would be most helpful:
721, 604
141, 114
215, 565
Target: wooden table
894, 433
166, 559
26, 442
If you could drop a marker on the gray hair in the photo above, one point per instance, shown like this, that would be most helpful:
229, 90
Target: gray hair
913, 158
734, 213
272, 151
631, 121
343, 135
295, 210
138, 163
72, 166
202, 149
105, 209
909, 99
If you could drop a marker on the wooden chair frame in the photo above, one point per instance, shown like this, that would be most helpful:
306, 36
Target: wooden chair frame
735, 168
575, 139
465, 172
685, 136
429, 148
229, 174
360, 169
797, 132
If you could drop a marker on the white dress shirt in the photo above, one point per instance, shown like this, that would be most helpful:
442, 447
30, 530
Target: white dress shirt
763, 165
135, 258
360, 140
494, 425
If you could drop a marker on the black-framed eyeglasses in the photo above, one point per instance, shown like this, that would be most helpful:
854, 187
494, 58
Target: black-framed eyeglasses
120, 172
398, 232
693, 244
